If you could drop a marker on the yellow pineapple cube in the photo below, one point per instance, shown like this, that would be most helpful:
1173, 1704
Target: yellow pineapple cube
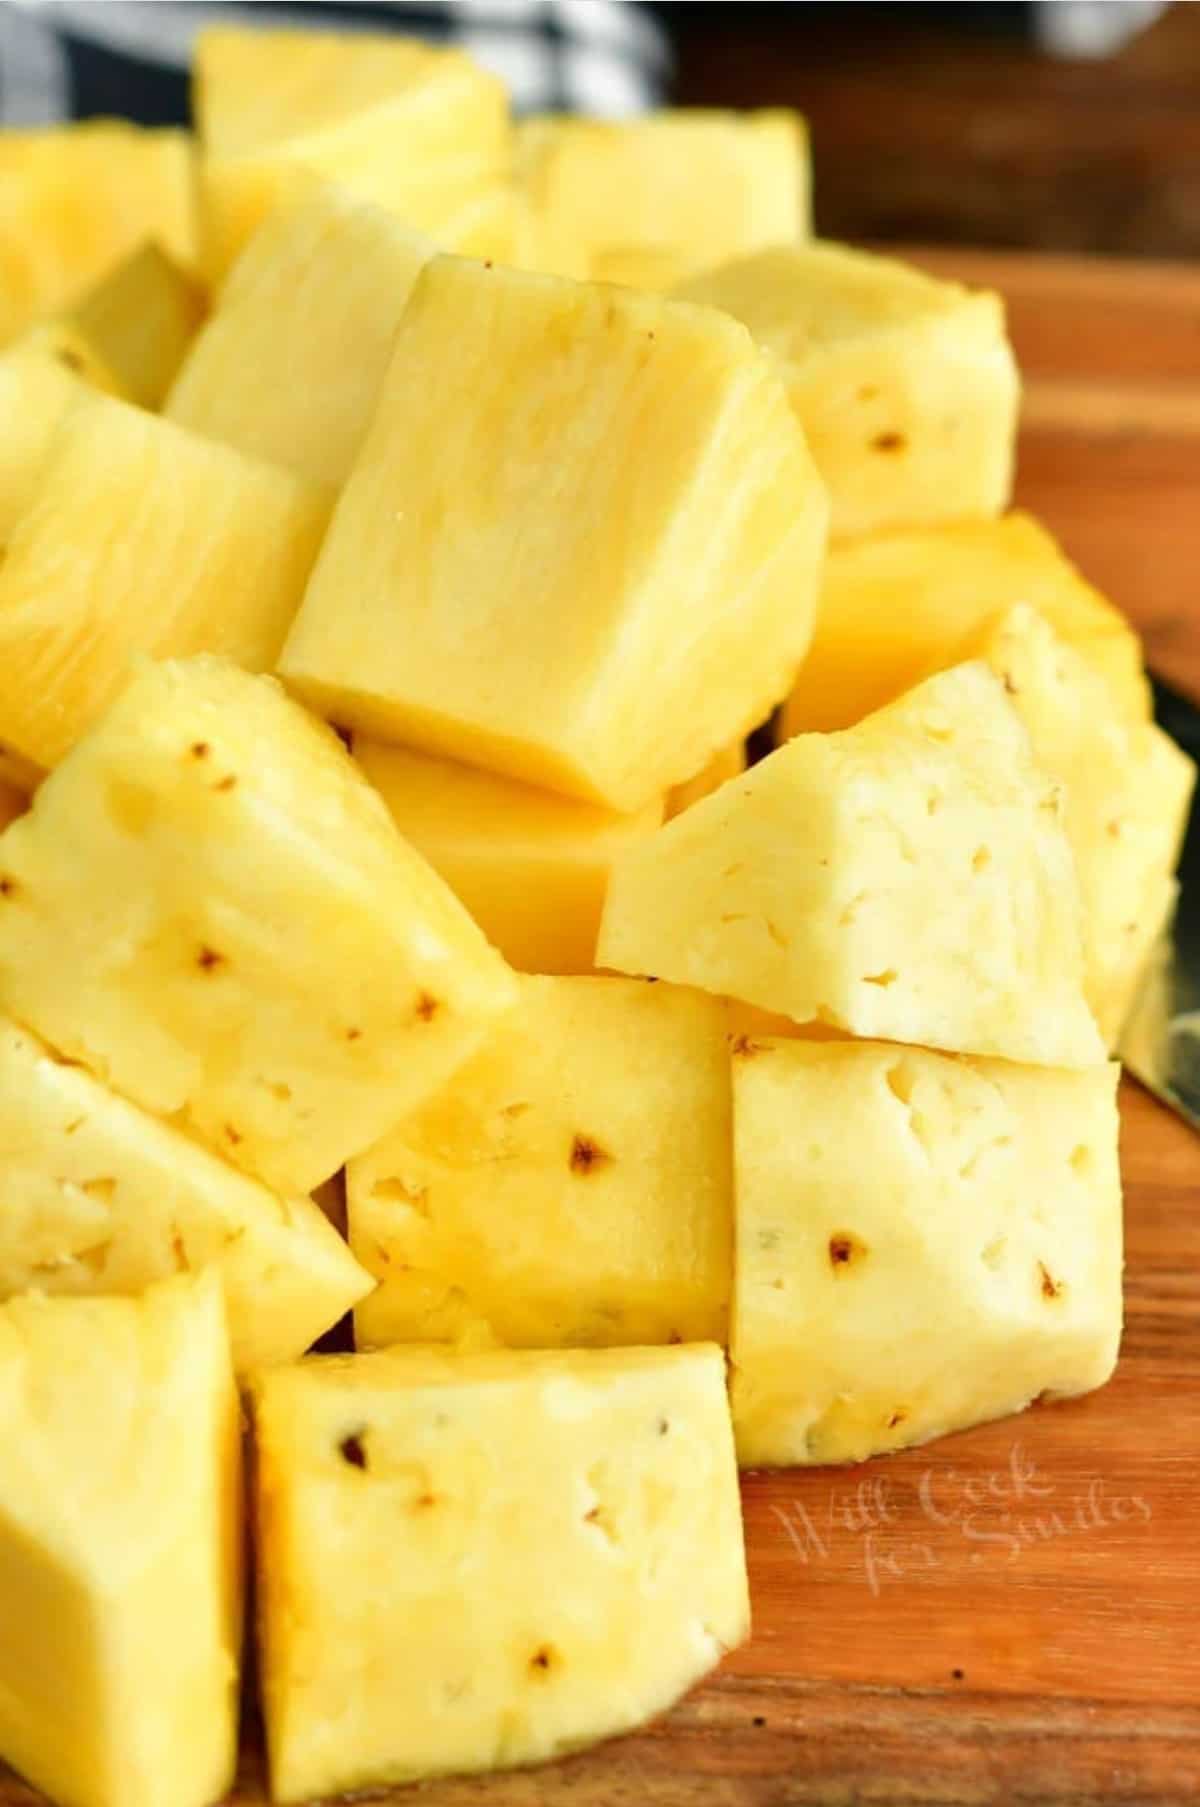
532, 868
607, 557
923, 1243
101, 1198
141, 538
76, 199
120, 1547
270, 373
468, 1561
897, 608
569, 1185
1128, 789
702, 184
906, 386
140, 319
253, 89
908, 878
414, 129
729, 763
209, 907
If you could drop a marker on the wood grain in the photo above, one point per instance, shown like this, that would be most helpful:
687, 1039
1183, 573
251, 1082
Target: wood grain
945, 124
1011, 1617
1110, 446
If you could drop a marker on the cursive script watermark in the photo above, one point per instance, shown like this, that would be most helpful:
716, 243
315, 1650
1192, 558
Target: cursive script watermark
893, 1532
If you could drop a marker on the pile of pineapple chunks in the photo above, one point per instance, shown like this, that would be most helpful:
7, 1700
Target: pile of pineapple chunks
406, 518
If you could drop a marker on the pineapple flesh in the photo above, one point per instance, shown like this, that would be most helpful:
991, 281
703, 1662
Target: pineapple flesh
77, 199
729, 763
908, 879
698, 184
923, 1243
269, 373
141, 538
254, 89
899, 607
140, 318
1127, 787
101, 1198
120, 1547
532, 868
475, 1561
607, 560
569, 1185
417, 130
209, 907
906, 386
41, 377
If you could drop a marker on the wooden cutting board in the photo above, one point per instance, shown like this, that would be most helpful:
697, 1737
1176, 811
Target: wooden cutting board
1011, 1617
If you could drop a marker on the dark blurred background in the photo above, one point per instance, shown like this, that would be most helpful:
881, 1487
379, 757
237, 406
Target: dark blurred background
954, 124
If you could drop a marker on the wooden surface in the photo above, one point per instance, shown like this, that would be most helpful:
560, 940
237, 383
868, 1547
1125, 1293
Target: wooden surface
945, 124
1011, 1617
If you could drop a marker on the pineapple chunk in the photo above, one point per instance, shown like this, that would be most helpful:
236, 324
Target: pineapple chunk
923, 1243
120, 1547
100, 1198
270, 372
209, 907
77, 199
898, 608
256, 89
469, 1561
729, 763
606, 562
417, 130
702, 184
1128, 790
532, 868
140, 319
569, 1185
141, 537
908, 878
906, 387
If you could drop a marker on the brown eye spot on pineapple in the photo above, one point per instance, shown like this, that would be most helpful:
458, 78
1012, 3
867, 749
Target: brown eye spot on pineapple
8, 885
209, 960
199, 749
543, 1660
427, 1007
587, 1155
744, 1047
353, 1451
845, 1249
1051, 1288
889, 442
